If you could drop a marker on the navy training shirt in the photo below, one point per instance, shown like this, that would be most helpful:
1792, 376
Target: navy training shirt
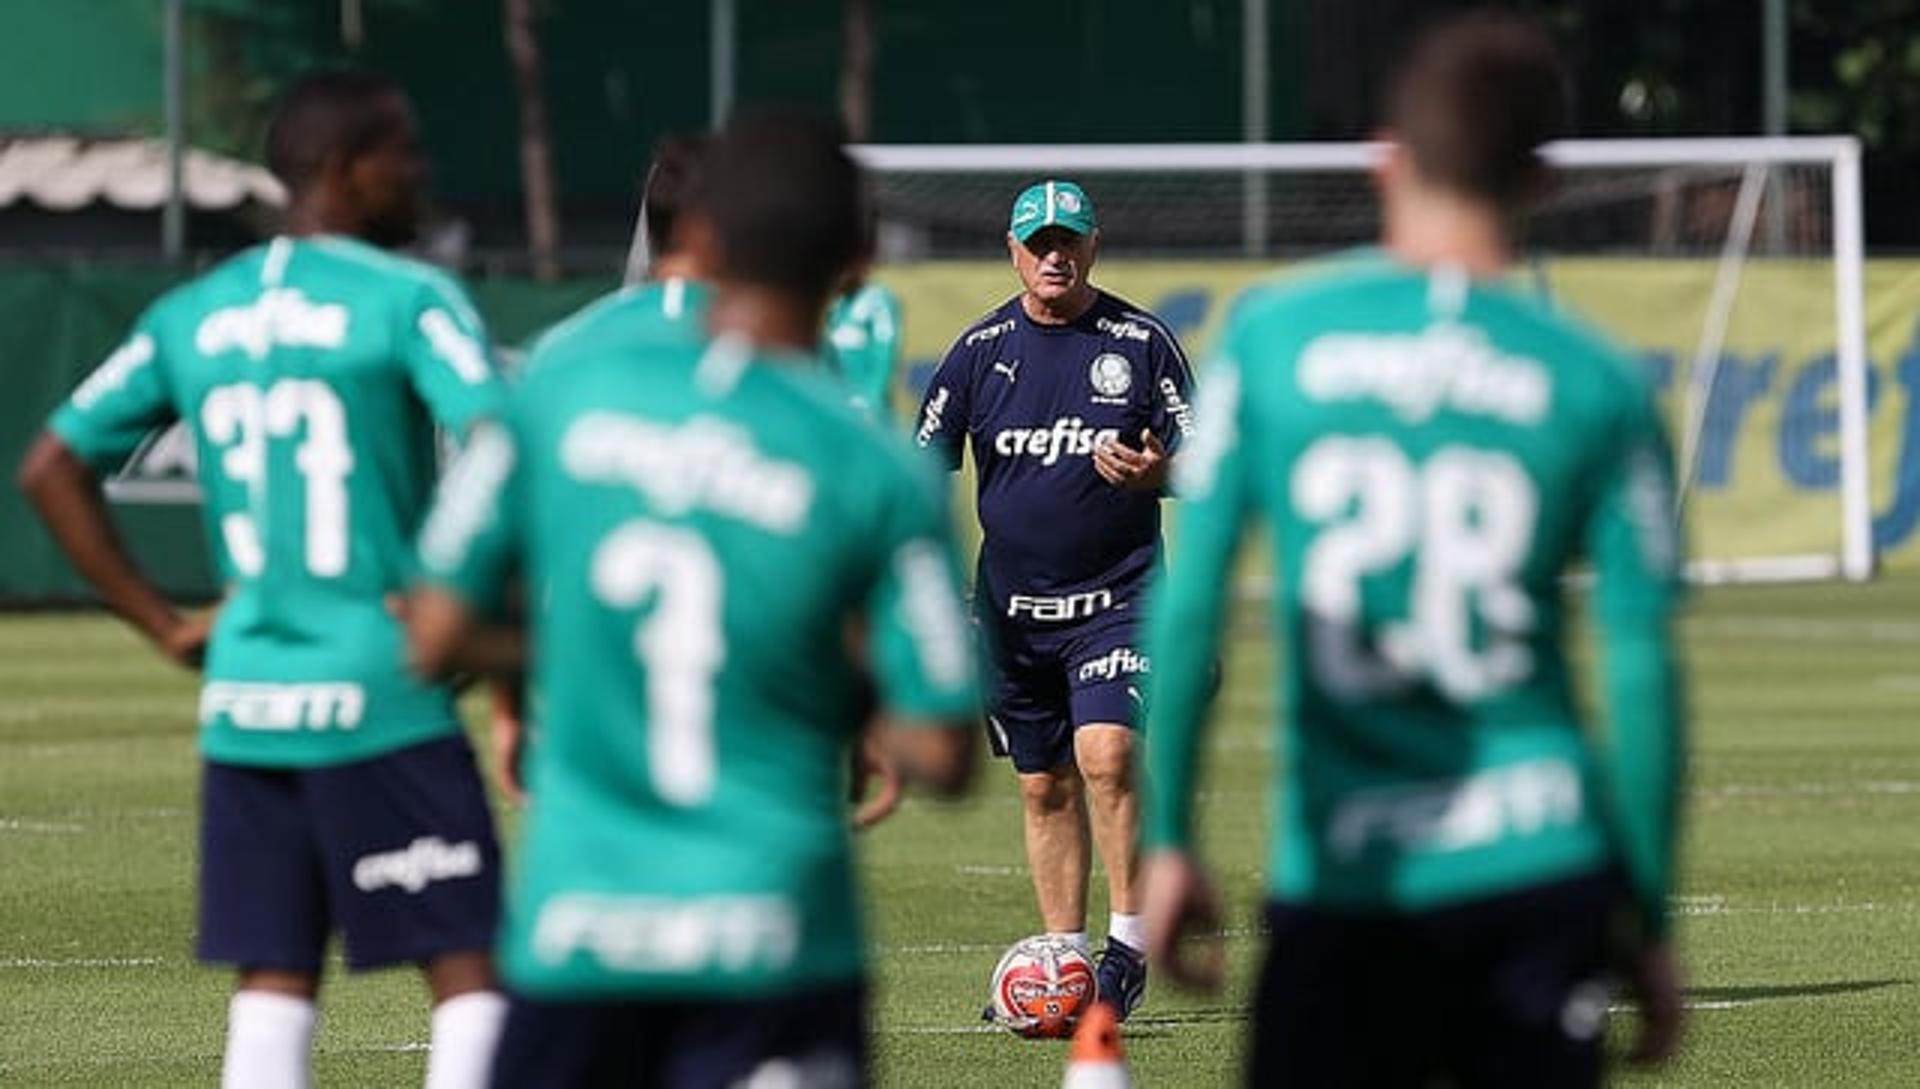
1061, 544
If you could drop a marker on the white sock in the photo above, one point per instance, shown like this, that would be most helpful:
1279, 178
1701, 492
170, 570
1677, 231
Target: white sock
1076, 938
465, 1029
1128, 930
269, 1041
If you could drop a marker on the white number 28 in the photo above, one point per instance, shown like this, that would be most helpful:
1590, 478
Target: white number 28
1466, 518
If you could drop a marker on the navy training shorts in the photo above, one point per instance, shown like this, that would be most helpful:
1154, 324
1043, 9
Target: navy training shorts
813, 1040
396, 852
1504, 991
1049, 682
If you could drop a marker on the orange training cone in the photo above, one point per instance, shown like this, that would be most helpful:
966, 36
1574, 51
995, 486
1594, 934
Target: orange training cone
1095, 1061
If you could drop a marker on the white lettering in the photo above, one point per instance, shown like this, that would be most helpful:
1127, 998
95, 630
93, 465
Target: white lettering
1177, 407
930, 423
462, 353
280, 317
1458, 814
1446, 364
704, 463
469, 496
1068, 436
1070, 607
114, 371
658, 934
982, 335
934, 616
1111, 665
249, 705
1124, 330
417, 865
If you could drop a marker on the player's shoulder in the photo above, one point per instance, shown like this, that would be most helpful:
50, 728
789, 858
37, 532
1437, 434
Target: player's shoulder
1312, 287
1579, 350
834, 423
627, 320
583, 326
405, 277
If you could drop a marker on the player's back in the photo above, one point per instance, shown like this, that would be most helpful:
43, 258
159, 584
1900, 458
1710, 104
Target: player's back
704, 532
1450, 449
312, 372
629, 318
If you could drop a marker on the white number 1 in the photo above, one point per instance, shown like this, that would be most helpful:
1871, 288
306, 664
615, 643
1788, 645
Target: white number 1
680, 643
1466, 517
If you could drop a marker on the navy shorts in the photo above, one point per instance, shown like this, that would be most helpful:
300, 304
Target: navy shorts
1049, 682
396, 852
1505, 991
815, 1040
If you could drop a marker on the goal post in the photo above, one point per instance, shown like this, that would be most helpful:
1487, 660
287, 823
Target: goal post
1736, 264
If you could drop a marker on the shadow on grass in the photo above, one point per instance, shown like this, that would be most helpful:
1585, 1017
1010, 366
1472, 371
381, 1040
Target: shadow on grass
1153, 1024
1791, 990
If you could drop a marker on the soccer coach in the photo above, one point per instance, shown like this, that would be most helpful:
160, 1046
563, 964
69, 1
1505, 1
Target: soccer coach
1074, 402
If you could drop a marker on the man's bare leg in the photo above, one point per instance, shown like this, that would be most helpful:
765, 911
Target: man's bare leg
1058, 854
1105, 754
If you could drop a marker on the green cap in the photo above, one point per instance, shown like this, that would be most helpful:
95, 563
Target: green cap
1051, 204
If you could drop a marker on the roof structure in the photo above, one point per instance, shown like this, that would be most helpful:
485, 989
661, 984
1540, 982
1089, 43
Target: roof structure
68, 173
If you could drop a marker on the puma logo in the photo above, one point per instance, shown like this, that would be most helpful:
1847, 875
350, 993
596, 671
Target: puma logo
1008, 369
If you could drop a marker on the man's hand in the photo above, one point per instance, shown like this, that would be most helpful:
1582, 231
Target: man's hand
509, 741
185, 641
1145, 469
1179, 901
1653, 976
874, 766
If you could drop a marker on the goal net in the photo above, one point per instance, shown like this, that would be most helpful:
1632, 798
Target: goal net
1732, 266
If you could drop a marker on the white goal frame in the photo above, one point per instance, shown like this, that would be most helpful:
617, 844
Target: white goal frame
1840, 154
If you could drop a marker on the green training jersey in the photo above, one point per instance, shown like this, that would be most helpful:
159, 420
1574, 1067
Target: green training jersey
721, 551
632, 317
1431, 454
312, 372
863, 331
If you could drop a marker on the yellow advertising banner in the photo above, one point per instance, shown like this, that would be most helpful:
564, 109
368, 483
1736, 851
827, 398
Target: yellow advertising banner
1764, 476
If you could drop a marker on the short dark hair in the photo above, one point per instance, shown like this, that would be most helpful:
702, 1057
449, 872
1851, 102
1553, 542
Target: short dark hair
324, 114
784, 199
670, 185
1475, 100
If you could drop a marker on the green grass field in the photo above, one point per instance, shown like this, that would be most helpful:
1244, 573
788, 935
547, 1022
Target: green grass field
1800, 908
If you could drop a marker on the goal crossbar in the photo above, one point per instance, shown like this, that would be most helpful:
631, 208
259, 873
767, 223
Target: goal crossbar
1840, 154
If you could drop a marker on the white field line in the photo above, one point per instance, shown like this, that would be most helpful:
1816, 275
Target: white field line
34, 827
1773, 790
984, 1029
942, 948
990, 871
79, 962
1717, 905
135, 706
1808, 629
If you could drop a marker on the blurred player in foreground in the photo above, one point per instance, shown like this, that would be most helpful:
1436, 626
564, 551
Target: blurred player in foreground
665, 300
339, 791
1074, 401
1454, 857
723, 549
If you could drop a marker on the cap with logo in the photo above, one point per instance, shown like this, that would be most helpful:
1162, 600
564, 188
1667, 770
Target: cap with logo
1051, 204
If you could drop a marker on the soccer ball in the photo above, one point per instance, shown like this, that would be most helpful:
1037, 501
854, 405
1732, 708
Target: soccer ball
1041, 987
